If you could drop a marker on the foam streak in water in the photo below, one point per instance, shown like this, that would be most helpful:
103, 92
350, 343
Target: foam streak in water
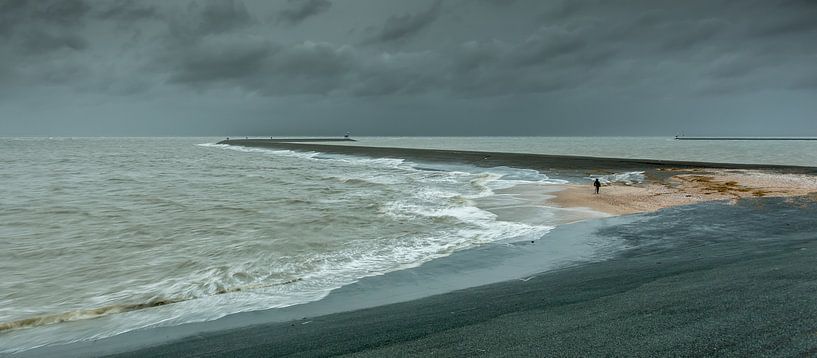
153, 232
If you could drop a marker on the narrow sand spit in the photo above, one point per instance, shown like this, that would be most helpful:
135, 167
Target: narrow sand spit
681, 187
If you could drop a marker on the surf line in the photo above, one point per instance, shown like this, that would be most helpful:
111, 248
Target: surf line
743, 138
92, 313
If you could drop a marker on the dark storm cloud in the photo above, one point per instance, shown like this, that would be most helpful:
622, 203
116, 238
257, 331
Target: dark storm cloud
472, 69
218, 43
581, 50
457, 52
550, 59
18, 16
215, 60
787, 17
399, 27
35, 41
693, 33
127, 10
207, 17
216, 16
300, 10
35, 28
32, 32
67, 13
546, 45
267, 68
499, 2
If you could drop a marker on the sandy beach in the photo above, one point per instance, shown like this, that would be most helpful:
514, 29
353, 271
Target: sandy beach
687, 187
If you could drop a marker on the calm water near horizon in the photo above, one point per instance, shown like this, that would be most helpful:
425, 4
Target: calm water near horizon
100, 236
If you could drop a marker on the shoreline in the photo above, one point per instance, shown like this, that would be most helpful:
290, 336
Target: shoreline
522, 160
667, 183
742, 287
350, 303
686, 188
463, 270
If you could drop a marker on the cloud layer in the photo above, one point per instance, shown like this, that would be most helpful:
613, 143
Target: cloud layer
456, 50
300, 10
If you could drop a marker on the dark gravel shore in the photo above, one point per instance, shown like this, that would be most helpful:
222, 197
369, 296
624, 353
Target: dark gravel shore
704, 280
549, 163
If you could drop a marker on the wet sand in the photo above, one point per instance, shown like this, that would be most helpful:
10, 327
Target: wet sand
688, 187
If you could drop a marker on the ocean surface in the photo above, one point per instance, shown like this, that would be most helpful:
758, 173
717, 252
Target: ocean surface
100, 236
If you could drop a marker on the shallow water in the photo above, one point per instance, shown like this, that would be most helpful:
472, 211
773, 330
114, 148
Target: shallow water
105, 235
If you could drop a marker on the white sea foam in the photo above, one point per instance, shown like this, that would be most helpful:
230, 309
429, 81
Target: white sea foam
272, 228
284, 152
627, 178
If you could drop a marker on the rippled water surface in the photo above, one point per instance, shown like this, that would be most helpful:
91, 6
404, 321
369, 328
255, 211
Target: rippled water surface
101, 236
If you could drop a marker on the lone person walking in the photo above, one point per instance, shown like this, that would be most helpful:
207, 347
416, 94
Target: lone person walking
597, 184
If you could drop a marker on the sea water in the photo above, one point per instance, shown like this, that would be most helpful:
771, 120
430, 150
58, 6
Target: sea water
100, 236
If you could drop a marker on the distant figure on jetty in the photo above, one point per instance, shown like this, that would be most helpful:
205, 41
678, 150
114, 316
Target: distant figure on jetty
597, 184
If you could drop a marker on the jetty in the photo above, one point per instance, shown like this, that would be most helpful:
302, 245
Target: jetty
744, 138
239, 141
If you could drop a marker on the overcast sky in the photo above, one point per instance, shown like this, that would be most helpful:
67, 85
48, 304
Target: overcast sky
420, 67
